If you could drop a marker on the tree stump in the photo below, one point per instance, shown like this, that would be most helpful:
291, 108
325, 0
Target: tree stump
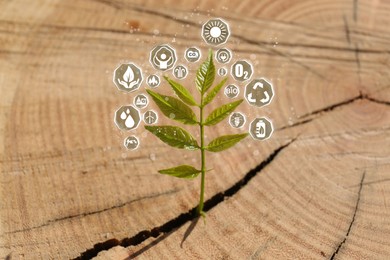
318, 189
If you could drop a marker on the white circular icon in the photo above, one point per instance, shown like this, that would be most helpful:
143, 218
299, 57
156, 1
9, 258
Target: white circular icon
127, 77
242, 70
192, 54
127, 118
237, 120
180, 72
215, 31
231, 91
141, 101
261, 129
223, 55
150, 117
222, 72
259, 92
131, 142
163, 57
153, 81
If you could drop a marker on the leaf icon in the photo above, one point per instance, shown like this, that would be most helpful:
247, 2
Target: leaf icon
129, 75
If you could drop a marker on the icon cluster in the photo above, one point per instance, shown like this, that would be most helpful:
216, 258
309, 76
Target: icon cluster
128, 78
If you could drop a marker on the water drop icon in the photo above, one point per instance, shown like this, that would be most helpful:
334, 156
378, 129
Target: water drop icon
123, 115
127, 118
129, 123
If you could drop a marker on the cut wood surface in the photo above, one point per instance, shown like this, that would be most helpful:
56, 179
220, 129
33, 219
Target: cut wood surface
318, 189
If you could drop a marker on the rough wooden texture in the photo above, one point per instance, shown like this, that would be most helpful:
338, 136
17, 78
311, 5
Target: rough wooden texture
319, 189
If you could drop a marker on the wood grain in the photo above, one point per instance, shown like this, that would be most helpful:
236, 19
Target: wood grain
318, 189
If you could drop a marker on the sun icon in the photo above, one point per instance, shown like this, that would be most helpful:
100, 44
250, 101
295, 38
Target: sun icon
215, 32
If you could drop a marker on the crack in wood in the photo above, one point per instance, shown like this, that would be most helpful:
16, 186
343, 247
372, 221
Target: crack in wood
347, 31
331, 108
371, 34
382, 102
334, 106
372, 182
357, 51
49, 222
356, 45
171, 225
320, 111
352, 220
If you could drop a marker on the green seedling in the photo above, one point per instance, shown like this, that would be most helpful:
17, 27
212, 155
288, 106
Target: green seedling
179, 109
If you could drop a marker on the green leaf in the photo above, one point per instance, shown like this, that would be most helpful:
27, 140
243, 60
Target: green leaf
174, 108
182, 171
181, 92
221, 113
211, 95
174, 136
205, 74
225, 142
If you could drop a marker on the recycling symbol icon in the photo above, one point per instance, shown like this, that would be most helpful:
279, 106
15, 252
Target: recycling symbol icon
259, 92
